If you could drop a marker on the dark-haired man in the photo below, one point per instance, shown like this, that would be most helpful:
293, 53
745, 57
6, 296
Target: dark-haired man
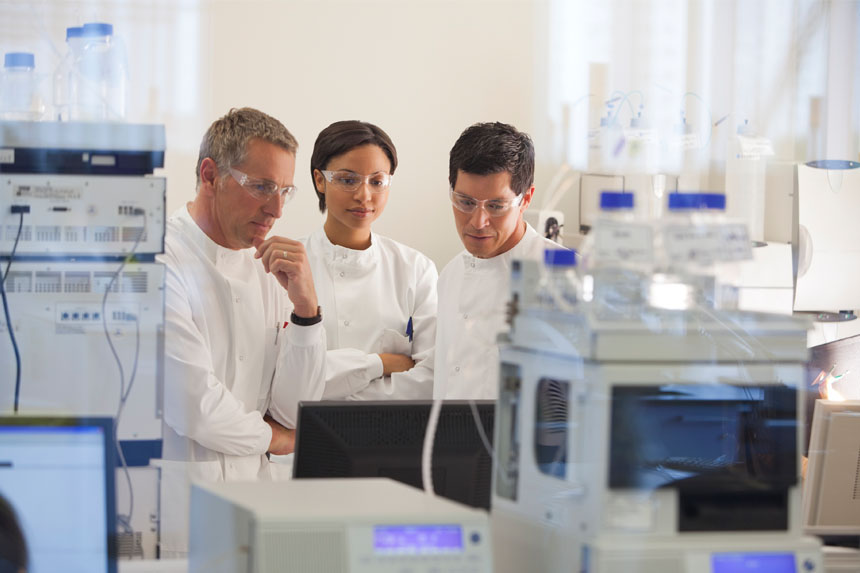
491, 172
244, 335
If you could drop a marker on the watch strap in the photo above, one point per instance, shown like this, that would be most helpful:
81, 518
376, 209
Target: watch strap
310, 321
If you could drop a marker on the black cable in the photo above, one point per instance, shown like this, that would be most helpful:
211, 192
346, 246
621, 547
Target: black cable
124, 392
15, 246
9, 319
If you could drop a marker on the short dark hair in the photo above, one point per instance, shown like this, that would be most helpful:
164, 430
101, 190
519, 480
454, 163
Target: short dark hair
13, 546
488, 148
342, 137
226, 140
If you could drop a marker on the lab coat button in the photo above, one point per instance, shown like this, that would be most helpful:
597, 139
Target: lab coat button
346, 323
342, 274
456, 369
466, 315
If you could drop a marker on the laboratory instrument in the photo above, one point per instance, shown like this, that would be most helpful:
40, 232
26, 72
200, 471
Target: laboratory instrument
360, 525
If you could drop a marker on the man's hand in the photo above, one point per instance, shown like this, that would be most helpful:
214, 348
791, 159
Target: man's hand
288, 261
283, 439
395, 363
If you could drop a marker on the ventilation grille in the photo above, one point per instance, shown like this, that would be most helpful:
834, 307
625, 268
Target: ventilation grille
76, 282
75, 234
48, 234
136, 282
857, 478
18, 281
306, 550
12, 232
129, 544
102, 279
49, 282
105, 234
133, 234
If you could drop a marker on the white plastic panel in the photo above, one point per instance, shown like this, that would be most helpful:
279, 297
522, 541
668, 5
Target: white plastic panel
66, 362
82, 215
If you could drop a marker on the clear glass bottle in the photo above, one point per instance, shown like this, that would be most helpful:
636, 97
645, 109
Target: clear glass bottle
19, 88
98, 84
559, 286
64, 71
699, 248
618, 257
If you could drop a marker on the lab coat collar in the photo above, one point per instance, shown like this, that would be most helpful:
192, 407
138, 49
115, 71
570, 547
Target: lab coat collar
339, 256
519, 251
210, 249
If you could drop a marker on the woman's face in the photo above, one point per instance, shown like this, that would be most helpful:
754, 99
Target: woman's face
354, 211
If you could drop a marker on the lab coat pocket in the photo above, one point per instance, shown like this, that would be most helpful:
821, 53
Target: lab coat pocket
270, 360
393, 342
176, 480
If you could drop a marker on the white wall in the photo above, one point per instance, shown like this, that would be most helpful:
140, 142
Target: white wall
423, 70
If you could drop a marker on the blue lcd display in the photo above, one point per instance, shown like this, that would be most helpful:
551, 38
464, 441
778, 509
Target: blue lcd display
417, 539
753, 563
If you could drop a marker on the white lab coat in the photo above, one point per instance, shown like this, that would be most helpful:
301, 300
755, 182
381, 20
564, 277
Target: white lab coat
473, 294
368, 298
228, 360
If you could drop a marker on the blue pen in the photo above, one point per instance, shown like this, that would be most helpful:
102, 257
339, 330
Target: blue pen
409, 329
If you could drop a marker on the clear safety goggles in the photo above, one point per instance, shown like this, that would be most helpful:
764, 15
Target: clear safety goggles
350, 182
261, 188
493, 207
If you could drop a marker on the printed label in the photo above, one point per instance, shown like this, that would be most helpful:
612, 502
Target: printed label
735, 242
46, 192
707, 244
689, 244
620, 243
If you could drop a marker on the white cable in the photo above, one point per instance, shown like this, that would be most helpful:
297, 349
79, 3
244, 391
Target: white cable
124, 520
427, 451
554, 183
572, 180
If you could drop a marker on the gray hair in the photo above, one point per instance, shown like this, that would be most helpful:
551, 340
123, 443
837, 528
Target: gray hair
226, 140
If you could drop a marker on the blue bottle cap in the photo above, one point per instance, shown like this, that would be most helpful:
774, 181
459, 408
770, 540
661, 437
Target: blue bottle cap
19, 60
559, 257
680, 201
616, 200
74, 32
833, 164
94, 29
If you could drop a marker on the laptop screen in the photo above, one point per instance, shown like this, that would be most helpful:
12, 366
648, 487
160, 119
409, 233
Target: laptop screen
58, 475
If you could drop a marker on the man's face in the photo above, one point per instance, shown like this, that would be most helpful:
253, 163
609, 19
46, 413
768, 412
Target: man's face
482, 235
241, 219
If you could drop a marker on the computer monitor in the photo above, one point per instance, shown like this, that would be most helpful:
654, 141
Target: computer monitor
58, 475
831, 491
385, 439
730, 451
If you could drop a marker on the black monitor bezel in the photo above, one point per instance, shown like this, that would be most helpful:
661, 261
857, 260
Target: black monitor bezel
307, 407
106, 424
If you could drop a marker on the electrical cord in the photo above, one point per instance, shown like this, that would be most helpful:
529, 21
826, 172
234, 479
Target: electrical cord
427, 450
9, 319
124, 520
15, 246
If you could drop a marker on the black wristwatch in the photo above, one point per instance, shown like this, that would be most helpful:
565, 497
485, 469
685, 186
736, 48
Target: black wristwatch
302, 321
